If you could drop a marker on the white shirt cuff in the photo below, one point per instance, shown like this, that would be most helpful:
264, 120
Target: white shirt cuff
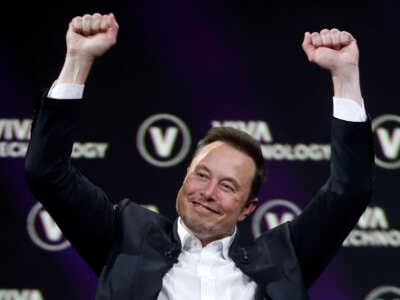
66, 91
348, 110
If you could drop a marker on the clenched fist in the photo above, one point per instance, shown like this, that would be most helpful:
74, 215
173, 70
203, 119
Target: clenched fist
332, 49
91, 35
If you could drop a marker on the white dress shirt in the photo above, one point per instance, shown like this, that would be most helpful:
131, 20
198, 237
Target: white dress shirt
208, 273
205, 273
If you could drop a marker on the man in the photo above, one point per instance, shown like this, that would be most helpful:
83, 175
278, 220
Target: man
139, 254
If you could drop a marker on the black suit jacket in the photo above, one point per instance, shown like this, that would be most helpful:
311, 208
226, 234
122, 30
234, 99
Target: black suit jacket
131, 248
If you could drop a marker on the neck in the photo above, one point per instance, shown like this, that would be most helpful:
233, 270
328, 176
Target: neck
205, 239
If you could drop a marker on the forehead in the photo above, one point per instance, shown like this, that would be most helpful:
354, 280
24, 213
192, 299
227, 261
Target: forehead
223, 157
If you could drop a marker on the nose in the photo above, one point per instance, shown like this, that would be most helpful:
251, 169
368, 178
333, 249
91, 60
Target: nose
210, 191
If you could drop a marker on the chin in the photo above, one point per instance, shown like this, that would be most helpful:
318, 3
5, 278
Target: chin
197, 228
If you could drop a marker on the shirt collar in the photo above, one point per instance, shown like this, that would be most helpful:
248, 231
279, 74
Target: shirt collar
185, 237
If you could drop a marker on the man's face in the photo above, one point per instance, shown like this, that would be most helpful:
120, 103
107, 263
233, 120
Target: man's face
214, 193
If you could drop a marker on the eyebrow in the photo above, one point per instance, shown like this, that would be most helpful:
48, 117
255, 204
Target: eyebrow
201, 166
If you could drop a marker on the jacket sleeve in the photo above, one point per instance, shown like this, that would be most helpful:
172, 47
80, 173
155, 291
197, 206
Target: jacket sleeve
81, 209
326, 221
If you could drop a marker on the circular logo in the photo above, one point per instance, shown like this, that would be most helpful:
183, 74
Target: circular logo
273, 213
384, 293
386, 130
163, 140
43, 231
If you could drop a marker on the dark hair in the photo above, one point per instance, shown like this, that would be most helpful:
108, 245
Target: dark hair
243, 142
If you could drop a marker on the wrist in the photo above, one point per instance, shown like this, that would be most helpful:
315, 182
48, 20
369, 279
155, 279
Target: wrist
347, 85
76, 69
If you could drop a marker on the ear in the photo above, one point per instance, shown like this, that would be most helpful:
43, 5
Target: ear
249, 207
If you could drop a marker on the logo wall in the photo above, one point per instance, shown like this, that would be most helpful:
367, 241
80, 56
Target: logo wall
163, 140
385, 292
372, 229
15, 135
20, 294
278, 151
273, 213
386, 130
43, 231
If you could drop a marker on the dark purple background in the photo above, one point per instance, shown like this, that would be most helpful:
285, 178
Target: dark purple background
201, 61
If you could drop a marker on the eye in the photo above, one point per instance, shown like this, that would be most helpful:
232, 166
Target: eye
227, 187
202, 175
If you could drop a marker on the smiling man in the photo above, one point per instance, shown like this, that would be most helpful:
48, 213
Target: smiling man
139, 254
215, 193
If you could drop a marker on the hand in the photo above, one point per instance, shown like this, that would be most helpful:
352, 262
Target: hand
332, 49
90, 36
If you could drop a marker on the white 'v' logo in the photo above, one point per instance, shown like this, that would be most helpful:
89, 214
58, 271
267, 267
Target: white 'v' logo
387, 136
390, 144
50, 228
272, 220
170, 143
43, 230
163, 144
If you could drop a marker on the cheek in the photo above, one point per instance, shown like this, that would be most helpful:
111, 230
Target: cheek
180, 199
190, 186
184, 194
233, 207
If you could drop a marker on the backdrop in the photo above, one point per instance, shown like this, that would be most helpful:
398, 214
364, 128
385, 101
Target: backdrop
179, 68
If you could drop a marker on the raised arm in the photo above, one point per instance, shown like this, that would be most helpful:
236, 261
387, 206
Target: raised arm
326, 221
80, 208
